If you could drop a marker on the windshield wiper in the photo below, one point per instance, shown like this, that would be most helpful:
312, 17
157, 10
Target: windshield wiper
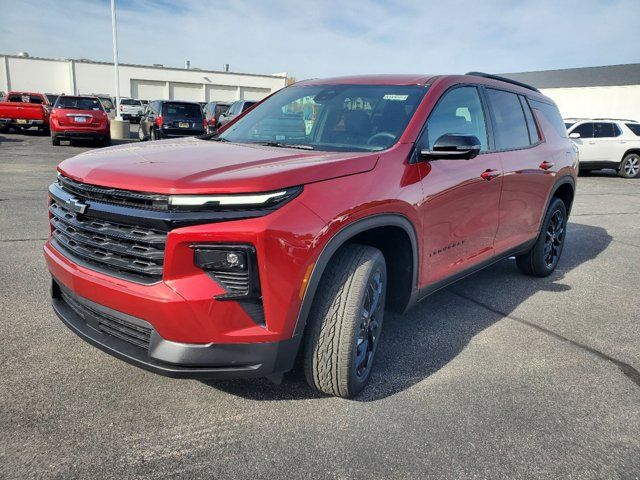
288, 145
213, 136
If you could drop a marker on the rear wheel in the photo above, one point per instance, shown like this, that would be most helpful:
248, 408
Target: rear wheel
55, 141
141, 136
543, 257
154, 134
630, 166
345, 321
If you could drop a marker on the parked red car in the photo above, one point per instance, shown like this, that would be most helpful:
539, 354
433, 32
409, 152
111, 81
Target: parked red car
305, 219
24, 110
79, 118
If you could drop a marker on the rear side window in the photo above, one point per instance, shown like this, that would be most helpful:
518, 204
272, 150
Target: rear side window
459, 111
552, 115
511, 125
605, 130
585, 130
634, 127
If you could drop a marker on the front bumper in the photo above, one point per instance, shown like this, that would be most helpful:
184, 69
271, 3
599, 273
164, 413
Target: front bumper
135, 341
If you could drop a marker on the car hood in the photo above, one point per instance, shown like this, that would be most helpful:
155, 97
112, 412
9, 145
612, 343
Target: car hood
192, 165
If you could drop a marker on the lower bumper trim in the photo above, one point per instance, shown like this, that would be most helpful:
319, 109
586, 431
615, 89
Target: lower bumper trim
174, 359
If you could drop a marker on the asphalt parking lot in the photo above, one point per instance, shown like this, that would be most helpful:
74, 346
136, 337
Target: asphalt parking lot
498, 376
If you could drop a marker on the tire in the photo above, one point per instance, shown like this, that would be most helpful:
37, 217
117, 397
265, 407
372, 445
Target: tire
105, 142
153, 135
630, 166
55, 141
342, 338
543, 257
141, 136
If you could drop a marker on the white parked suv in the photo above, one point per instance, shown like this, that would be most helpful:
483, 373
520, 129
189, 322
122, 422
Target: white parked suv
607, 143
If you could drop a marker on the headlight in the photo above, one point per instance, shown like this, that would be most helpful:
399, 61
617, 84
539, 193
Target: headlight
232, 202
234, 267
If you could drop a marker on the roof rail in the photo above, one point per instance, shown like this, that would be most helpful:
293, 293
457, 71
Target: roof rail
618, 119
503, 79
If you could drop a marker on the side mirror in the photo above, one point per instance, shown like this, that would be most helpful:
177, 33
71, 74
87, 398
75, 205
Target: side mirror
452, 146
574, 135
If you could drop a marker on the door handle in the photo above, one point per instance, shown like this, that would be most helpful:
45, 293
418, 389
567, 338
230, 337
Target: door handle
489, 174
546, 165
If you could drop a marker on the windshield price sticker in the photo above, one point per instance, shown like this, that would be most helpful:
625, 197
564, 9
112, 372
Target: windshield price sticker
397, 98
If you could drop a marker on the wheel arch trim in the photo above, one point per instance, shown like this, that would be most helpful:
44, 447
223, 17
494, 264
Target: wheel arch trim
342, 237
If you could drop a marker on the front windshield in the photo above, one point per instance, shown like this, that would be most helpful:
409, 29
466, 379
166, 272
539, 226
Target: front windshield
107, 104
330, 117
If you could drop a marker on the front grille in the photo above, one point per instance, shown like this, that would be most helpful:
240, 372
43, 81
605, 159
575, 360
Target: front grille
110, 325
128, 198
124, 250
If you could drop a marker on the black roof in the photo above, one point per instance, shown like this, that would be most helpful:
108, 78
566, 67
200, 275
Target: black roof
627, 74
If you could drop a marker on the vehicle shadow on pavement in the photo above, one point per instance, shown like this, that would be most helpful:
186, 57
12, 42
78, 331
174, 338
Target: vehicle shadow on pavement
4, 139
419, 343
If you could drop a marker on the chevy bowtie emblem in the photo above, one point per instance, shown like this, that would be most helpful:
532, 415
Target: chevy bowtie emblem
75, 205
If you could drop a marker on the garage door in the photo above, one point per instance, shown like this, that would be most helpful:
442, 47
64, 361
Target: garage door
222, 93
191, 92
249, 93
147, 89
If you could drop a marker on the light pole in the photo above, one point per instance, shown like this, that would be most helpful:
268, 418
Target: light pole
115, 56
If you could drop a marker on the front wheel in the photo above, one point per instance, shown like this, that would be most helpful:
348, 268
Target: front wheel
543, 257
630, 166
345, 321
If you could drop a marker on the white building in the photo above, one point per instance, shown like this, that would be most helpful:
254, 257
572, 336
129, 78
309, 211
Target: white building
594, 92
48, 75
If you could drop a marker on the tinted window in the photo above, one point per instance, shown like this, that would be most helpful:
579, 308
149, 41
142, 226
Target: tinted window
511, 125
552, 115
174, 110
130, 101
531, 123
603, 130
585, 130
247, 105
78, 103
634, 127
220, 109
458, 111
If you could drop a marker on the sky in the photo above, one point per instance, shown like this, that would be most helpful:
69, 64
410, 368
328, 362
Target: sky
311, 39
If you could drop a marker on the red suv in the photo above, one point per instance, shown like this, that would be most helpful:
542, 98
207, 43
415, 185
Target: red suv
303, 220
79, 118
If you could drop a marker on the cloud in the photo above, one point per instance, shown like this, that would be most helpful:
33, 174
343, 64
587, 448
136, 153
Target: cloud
330, 37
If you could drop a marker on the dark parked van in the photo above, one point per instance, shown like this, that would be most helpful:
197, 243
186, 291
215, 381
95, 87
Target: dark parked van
170, 118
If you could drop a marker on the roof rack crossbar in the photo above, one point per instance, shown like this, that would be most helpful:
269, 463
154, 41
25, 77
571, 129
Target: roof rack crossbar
503, 79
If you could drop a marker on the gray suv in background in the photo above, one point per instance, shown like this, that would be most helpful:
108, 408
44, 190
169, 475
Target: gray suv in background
235, 109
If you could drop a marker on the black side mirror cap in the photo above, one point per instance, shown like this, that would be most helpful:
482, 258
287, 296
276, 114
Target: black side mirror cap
453, 146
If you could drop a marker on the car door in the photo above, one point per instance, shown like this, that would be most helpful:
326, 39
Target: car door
607, 147
585, 142
528, 165
460, 210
